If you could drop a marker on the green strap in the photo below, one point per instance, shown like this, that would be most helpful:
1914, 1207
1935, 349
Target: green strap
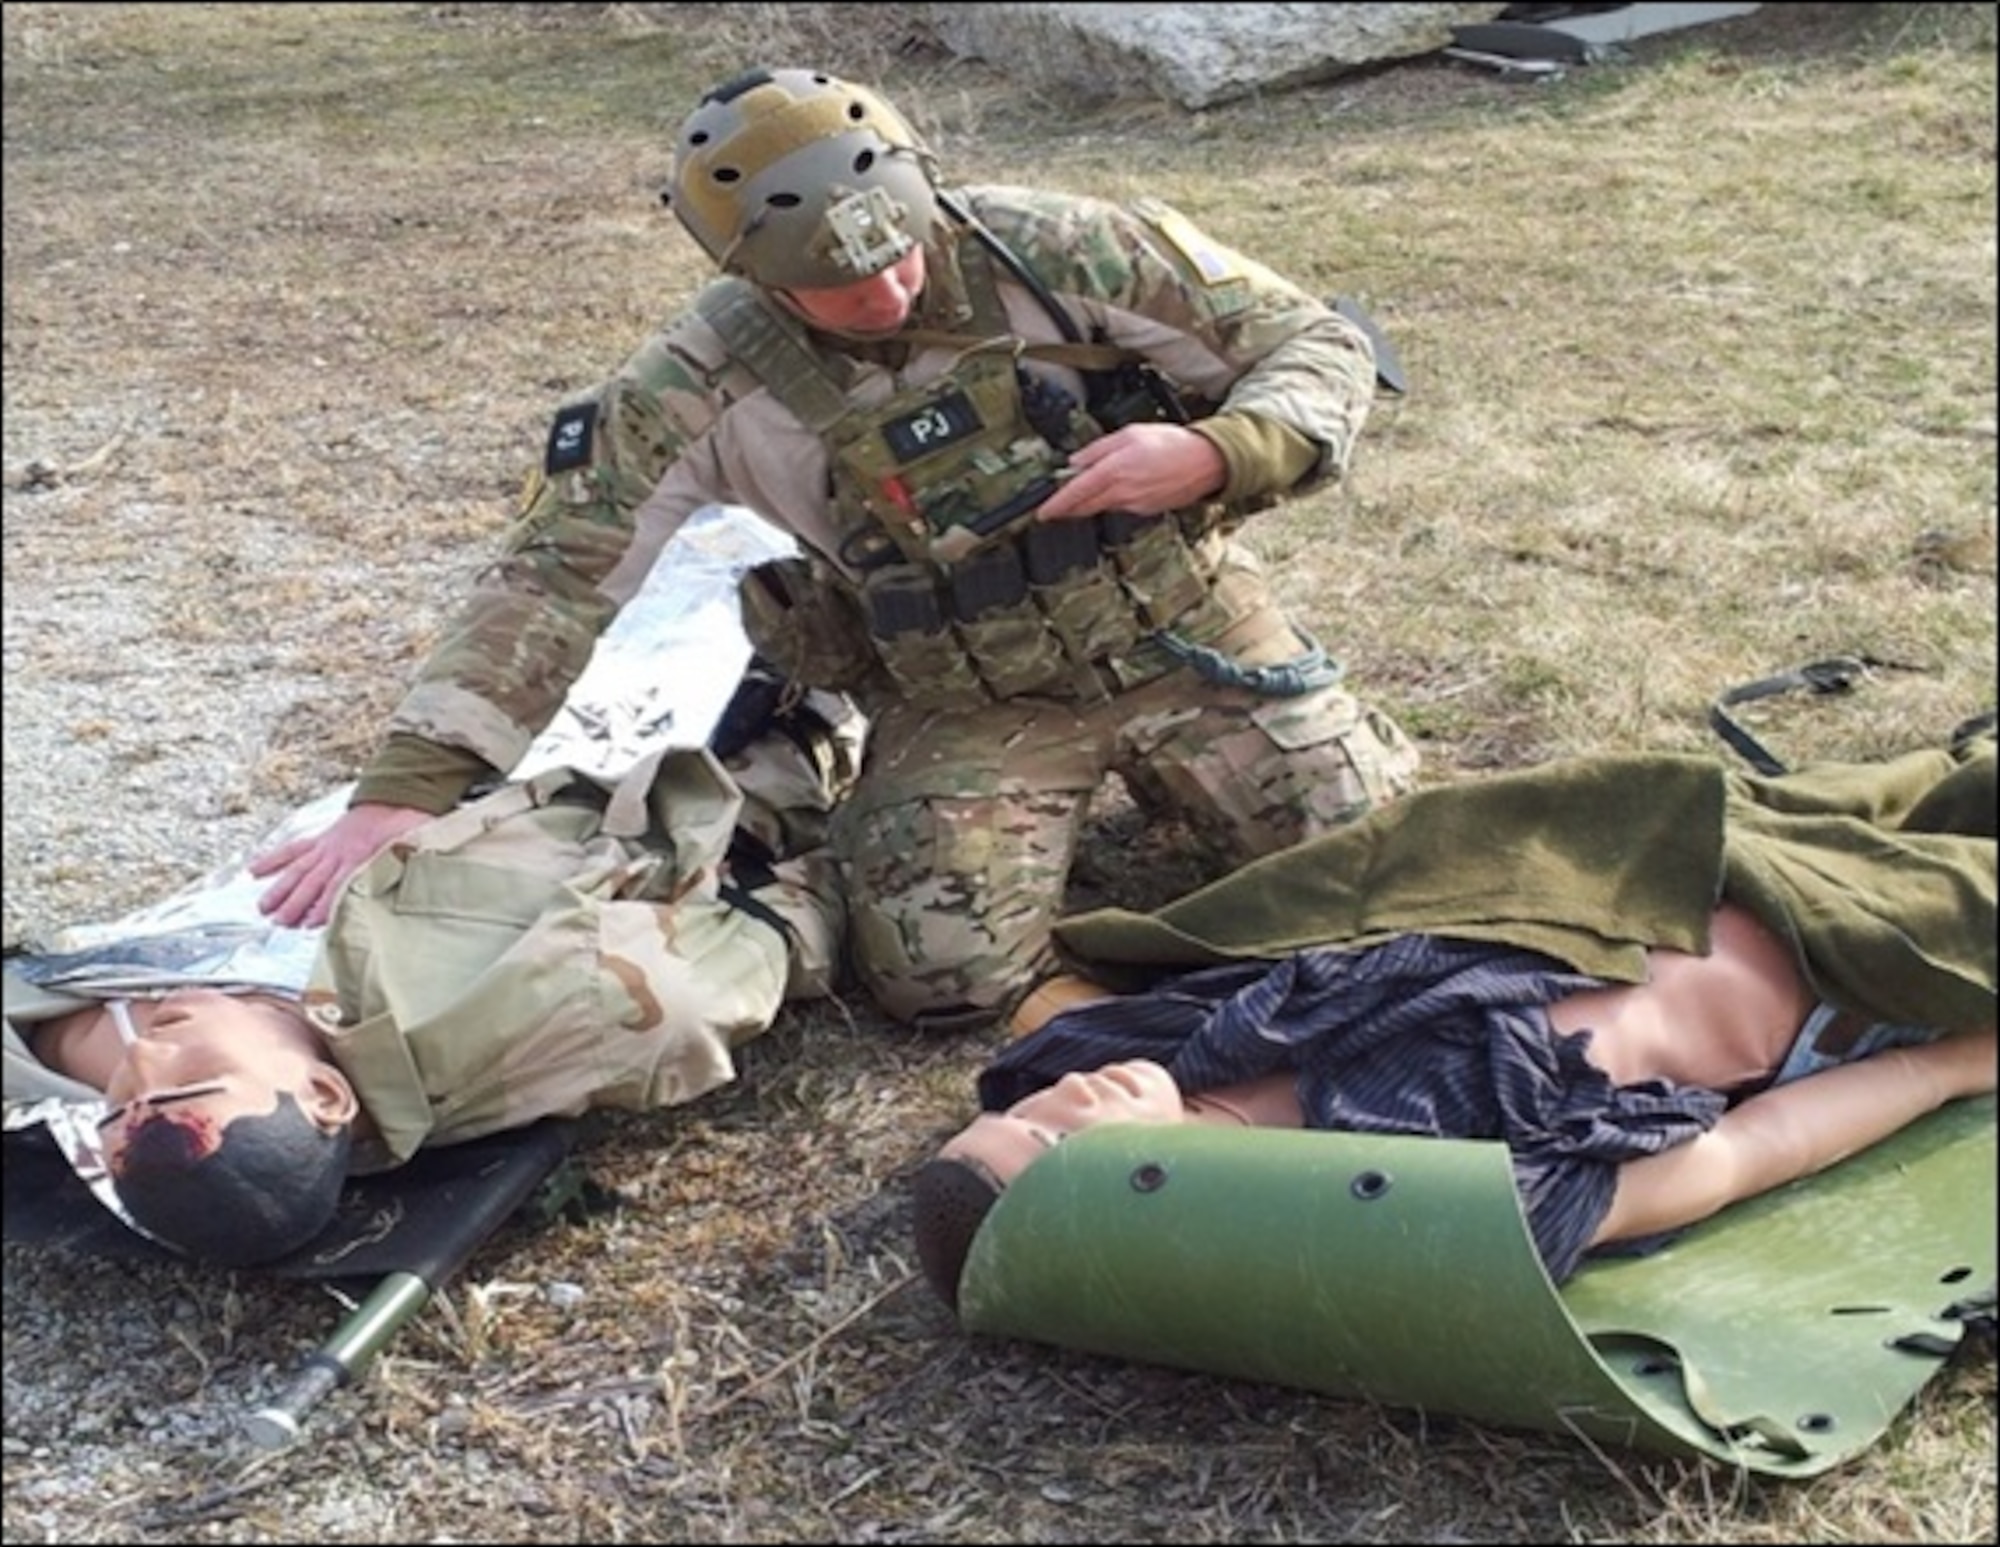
1307, 672
777, 353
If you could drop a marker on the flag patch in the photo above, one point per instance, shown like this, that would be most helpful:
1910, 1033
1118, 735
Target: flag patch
1210, 261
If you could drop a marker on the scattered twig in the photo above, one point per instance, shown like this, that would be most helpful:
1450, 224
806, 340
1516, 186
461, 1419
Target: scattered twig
97, 458
794, 1359
578, 1395
202, 1506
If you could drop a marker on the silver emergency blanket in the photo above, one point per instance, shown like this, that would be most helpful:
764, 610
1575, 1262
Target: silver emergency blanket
661, 676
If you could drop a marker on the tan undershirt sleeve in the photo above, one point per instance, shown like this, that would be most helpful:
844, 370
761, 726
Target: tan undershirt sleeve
1264, 457
410, 771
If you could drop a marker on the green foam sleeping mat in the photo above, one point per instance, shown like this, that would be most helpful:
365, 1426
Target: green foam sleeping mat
1781, 1336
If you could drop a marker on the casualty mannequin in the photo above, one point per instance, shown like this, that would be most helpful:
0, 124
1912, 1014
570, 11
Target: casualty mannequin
558, 944
1633, 1102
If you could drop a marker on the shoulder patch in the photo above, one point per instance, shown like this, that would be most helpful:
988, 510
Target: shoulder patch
1213, 263
569, 437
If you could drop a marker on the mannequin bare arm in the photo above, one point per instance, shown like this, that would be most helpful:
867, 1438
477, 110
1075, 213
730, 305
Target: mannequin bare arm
1793, 1130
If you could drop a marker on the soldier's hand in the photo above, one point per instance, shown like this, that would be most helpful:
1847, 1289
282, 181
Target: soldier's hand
1147, 469
311, 871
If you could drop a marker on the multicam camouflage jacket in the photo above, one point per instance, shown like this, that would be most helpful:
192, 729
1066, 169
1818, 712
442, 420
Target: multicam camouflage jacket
1282, 382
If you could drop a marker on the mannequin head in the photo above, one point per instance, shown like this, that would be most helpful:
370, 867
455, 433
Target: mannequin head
953, 1193
229, 1131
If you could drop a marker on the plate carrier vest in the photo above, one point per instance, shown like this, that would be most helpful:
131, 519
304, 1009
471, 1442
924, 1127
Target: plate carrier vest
962, 598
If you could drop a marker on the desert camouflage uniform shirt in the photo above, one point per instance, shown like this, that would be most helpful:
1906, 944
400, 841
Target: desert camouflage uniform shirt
555, 946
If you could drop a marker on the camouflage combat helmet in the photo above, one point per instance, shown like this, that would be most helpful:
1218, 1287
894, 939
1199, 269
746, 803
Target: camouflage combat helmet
798, 180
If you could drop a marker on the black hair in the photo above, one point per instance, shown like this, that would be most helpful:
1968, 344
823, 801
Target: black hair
267, 1189
950, 1200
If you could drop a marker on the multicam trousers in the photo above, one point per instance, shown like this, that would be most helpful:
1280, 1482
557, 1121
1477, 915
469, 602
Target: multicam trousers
956, 845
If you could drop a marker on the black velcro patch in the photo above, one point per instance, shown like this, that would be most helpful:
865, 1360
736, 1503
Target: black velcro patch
569, 437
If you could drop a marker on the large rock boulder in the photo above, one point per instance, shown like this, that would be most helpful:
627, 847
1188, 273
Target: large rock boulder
1195, 55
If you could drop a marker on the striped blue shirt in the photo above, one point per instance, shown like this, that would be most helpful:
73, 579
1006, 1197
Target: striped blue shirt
1421, 1035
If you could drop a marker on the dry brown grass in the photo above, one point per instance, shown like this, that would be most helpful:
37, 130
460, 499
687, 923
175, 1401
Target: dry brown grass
1703, 350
